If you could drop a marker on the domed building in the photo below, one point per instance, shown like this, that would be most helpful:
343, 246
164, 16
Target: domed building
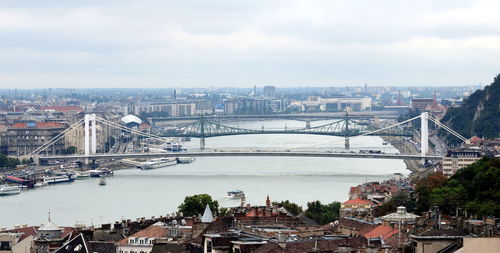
131, 120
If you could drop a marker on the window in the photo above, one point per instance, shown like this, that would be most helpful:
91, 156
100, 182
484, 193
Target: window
5, 246
209, 246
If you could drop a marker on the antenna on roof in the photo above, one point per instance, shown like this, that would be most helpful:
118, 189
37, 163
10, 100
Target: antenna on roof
49, 215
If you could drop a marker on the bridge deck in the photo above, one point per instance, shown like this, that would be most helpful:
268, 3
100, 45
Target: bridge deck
243, 153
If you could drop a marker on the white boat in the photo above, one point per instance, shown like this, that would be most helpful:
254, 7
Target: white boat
40, 184
59, 179
173, 146
9, 190
185, 159
82, 175
157, 163
236, 194
102, 181
101, 172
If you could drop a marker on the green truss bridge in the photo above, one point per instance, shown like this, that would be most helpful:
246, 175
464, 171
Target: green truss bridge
345, 128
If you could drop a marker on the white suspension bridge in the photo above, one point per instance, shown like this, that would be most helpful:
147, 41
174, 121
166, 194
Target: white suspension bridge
90, 122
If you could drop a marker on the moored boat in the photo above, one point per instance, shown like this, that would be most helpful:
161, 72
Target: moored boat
82, 175
185, 159
68, 178
9, 190
235, 194
101, 172
158, 163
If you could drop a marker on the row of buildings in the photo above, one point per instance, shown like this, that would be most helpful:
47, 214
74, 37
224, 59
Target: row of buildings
260, 229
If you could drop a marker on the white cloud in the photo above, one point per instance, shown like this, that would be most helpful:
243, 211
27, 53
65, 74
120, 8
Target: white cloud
219, 42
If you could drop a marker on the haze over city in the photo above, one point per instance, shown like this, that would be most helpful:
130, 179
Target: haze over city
162, 44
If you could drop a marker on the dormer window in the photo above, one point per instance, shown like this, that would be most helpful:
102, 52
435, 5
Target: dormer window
131, 241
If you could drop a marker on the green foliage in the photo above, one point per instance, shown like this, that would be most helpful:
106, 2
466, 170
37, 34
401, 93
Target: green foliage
479, 115
402, 198
195, 205
8, 162
475, 188
71, 150
323, 214
293, 208
223, 211
424, 188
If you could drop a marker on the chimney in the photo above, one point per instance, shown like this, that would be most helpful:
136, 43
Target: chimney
268, 202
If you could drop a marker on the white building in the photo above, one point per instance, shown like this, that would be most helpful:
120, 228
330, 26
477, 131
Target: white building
335, 104
142, 241
456, 160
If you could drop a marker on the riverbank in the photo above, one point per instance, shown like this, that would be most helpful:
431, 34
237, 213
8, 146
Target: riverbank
404, 148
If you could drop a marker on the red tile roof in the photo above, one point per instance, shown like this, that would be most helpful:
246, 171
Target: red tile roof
358, 201
382, 230
153, 231
39, 125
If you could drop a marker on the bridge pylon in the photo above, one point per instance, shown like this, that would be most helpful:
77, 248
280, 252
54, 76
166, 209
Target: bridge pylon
308, 124
424, 135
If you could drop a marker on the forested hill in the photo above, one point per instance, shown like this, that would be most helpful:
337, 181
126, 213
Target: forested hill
479, 115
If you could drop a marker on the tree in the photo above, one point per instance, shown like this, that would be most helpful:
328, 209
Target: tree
475, 188
195, 205
293, 208
323, 214
71, 150
424, 188
402, 198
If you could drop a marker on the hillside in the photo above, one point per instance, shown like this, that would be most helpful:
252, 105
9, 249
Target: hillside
479, 115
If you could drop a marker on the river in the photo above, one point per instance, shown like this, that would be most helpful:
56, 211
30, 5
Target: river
134, 193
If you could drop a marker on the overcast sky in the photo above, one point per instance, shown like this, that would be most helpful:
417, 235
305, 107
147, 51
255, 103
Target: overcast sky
120, 43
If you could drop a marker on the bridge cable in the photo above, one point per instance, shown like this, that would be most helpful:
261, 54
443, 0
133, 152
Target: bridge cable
57, 137
453, 132
116, 125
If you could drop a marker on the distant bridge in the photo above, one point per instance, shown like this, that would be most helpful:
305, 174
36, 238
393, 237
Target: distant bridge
209, 153
346, 127
293, 116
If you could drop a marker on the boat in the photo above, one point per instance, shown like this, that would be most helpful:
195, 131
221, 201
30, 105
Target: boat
40, 184
158, 163
101, 172
102, 181
82, 175
9, 190
236, 194
68, 178
384, 143
185, 159
174, 147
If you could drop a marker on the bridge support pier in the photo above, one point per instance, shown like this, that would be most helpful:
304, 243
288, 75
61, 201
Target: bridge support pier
202, 143
424, 134
86, 129
308, 124
346, 143
36, 160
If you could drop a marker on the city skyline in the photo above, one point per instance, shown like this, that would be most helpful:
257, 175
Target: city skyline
120, 44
